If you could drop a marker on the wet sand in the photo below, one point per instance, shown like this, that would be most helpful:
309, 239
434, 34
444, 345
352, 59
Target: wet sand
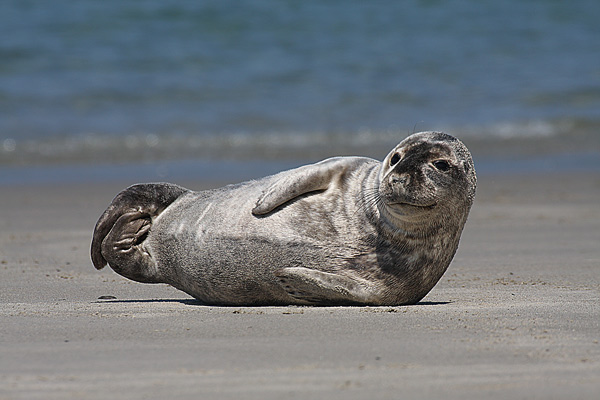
517, 315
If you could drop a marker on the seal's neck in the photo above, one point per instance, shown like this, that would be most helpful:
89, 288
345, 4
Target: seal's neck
407, 225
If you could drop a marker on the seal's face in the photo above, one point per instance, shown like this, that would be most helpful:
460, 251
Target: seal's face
427, 171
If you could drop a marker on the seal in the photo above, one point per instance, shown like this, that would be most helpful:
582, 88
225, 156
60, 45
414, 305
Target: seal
343, 231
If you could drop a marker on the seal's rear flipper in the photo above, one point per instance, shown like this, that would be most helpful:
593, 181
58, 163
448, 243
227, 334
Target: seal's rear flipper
324, 288
121, 230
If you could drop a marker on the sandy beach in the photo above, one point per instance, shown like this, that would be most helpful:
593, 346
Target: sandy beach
517, 315
98, 95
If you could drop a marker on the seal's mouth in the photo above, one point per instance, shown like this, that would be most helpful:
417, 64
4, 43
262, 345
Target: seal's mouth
406, 211
405, 205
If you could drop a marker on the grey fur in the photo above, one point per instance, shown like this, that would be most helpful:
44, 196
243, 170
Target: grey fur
347, 230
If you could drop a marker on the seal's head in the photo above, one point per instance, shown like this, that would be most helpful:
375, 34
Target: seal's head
427, 174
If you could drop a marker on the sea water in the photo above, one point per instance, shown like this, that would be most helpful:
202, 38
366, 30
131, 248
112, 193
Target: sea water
198, 85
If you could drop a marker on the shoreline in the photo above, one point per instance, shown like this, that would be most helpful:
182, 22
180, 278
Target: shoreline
516, 315
217, 171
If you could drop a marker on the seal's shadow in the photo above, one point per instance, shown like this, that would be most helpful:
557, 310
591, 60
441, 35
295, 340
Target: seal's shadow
194, 302
189, 302
431, 303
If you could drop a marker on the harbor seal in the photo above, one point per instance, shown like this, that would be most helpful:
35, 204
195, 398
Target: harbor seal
343, 231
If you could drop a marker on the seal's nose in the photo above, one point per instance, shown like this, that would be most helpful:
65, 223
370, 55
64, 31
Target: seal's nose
408, 171
399, 179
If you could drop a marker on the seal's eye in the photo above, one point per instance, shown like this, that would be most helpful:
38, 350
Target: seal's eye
395, 158
441, 165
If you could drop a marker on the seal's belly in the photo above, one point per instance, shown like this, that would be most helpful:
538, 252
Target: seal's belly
227, 215
217, 236
215, 245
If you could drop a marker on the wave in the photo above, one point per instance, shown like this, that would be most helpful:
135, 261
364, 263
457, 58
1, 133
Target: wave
498, 139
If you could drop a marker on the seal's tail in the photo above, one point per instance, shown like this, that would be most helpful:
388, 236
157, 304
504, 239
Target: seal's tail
124, 225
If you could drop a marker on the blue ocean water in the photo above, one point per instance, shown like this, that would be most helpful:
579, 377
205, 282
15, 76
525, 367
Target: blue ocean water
88, 82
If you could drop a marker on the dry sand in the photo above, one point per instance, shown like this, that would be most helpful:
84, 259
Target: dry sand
517, 315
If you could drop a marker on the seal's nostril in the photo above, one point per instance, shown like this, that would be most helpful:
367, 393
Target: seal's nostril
399, 180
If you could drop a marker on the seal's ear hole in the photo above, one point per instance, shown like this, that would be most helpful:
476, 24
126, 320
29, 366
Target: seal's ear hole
441, 165
395, 158
466, 167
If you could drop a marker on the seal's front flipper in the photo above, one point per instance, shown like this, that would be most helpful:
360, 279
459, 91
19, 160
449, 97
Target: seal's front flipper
306, 179
123, 227
324, 288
